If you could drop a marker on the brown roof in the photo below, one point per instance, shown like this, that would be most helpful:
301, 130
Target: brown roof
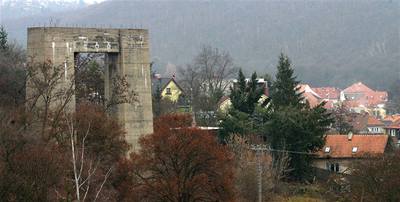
341, 147
328, 92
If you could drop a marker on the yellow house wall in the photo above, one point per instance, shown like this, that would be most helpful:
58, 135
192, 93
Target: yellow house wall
175, 92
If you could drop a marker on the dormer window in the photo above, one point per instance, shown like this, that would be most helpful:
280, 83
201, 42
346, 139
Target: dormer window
354, 150
327, 149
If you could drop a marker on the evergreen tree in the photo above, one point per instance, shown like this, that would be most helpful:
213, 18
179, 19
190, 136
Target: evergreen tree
241, 116
157, 99
292, 124
284, 90
245, 95
3, 39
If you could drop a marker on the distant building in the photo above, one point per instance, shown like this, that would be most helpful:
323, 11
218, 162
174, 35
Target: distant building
340, 151
363, 123
315, 96
393, 130
167, 87
360, 98
309, 95
330, 95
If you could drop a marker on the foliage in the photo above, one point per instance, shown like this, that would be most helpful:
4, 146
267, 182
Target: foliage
247, 170
300, 131
89, 79
177, 163
40, 169
394, 97
245, 112
341, 124
90, 83
205, 80
12, 75
245, 95
3, 39
236, 122
105, 138
376, 179
292, 124
284, 90
33, 173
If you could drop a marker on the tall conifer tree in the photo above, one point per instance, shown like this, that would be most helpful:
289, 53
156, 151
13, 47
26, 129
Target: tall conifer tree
293, 125
244, 98
3, 39
245, 95
284, 90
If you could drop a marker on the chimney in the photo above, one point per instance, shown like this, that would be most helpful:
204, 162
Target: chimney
350, 136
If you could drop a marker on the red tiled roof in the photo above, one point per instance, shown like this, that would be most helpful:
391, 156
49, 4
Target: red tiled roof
312, 100
327, 92
309, 95
329, 104
394, 125
361, 122
372, 121
392, 118
358, 87
364, 96
341, 147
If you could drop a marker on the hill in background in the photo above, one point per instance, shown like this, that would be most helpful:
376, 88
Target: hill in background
330, 42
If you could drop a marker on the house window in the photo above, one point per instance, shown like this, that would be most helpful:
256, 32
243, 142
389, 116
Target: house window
333, 167
327, 149
168, 91
354, 150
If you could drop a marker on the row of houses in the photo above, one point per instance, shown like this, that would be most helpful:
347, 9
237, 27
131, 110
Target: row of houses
373, 132
357, 98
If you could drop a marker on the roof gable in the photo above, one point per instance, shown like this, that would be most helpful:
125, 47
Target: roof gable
358, 88
162, 83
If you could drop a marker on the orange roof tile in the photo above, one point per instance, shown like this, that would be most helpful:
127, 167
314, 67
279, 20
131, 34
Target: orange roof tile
341, 147
372, 121
358, 87
392, 118
394, 125
364, 96
327, 92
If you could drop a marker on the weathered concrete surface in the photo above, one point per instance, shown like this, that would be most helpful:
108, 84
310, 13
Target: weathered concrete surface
127, 53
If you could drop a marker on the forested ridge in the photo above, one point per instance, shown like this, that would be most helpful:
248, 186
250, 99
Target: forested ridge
330, 42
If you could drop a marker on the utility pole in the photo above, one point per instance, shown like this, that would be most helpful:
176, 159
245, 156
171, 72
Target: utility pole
260, 148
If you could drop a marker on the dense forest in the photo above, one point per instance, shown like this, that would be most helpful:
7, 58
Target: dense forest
330, 42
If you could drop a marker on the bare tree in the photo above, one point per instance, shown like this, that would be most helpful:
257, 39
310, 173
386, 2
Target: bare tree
12, 75
247, 173
207, 79
51, 91
84, 183
209, 72
215, 67
48, 94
